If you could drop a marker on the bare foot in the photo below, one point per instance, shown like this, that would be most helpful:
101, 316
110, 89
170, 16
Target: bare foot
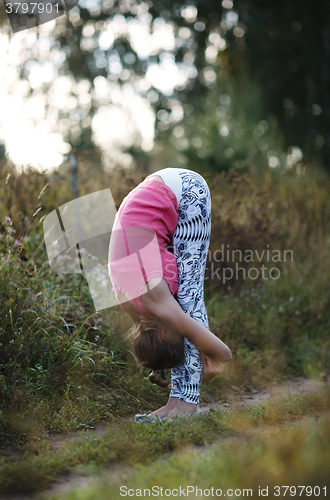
164, 410
183, 408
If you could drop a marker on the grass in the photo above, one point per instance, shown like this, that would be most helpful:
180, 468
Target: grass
63, 367
294, 462
131, 443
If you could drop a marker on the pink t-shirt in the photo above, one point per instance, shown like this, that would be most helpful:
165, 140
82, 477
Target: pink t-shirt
143, 227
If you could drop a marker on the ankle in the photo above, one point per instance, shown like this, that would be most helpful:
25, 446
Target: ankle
184, 408
172, 402
164, 410
185, 404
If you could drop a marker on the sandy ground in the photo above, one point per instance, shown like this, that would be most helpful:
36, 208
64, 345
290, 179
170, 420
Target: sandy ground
239, 398
234, 398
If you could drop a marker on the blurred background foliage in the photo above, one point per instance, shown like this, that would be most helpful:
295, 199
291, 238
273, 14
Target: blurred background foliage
252, 82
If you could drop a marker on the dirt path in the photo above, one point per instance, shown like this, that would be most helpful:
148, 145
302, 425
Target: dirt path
238, 398
234, 398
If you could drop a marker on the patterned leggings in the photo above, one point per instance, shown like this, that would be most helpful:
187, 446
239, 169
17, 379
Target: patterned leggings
190, 246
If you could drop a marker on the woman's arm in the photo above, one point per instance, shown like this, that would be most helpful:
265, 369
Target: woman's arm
160, 303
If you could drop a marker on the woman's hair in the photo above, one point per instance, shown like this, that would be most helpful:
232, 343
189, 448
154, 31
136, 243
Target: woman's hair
156, 348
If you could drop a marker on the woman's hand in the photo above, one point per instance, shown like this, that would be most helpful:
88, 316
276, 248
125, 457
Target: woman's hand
211, 367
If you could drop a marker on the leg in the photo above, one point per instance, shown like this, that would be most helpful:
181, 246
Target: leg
190, 245
165, 410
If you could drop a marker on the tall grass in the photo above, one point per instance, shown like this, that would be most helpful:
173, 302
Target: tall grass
62, 366
293, 463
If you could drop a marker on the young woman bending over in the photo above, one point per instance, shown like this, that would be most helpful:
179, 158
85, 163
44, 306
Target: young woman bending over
157, 258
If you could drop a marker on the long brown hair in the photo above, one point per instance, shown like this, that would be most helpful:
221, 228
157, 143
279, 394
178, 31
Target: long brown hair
156, 348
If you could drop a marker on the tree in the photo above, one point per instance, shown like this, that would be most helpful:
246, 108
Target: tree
283, 47
288, 54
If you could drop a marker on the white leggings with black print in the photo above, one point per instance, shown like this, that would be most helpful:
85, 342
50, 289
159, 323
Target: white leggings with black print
190, 246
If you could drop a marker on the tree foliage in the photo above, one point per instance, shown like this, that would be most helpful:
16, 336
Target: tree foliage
282, 47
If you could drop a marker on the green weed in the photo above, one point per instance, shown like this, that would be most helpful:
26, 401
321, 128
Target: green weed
131, 443
294, 462
64, 367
